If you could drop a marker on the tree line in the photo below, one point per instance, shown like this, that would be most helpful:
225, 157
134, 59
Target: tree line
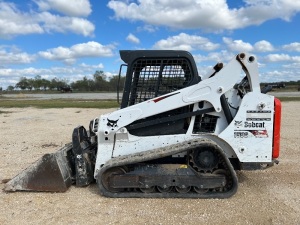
100, 82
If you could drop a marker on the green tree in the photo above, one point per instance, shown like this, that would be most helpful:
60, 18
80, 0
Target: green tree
56, 83
30, 84
83, 85
101, 84
45, 84
37, 82
10, 88
22, 84
114, 81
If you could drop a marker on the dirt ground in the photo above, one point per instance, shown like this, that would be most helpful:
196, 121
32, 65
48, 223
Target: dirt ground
271, 196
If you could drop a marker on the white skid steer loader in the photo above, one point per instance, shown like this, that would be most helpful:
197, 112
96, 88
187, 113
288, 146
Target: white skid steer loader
174, 135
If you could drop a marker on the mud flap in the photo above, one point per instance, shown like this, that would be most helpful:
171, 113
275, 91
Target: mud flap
51, 173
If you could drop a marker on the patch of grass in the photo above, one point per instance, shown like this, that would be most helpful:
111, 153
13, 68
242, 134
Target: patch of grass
76, 103
59, 103
289, 99
4, 112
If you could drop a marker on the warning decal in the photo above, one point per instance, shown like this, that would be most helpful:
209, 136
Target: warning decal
254, 115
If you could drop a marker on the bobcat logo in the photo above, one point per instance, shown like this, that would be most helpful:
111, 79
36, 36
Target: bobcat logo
238, 123
112, 123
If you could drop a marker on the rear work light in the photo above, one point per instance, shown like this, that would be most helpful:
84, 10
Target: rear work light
276, 128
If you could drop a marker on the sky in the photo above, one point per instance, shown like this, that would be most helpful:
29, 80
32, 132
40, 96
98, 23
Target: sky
72, 39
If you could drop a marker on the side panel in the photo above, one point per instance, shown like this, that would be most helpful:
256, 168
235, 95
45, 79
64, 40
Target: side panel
251, 132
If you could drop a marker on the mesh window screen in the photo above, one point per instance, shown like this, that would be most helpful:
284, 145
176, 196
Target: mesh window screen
155, 77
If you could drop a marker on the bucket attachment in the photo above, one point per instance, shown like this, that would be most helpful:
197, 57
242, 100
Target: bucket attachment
53, 173
74, 163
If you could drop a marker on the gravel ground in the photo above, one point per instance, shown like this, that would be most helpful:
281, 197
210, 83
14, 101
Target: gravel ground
264, 197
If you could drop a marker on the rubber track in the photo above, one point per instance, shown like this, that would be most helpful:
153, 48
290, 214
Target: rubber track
163, 152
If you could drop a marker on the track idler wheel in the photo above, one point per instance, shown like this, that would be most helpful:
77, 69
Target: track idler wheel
107, 175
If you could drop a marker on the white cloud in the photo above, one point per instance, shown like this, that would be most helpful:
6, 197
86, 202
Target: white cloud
69, 55
55, 23
263, 46
295, 58
147, 27
281, 58
292, 66
133, 39
99, 66
179, 14
277, 57
280, 75
221, 56
67, 7
206, 14
92, 49
237, 45
14, 22
186, 42
11, 55
295, 46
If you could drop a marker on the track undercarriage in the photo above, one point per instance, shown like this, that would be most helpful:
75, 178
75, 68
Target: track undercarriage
205, 172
